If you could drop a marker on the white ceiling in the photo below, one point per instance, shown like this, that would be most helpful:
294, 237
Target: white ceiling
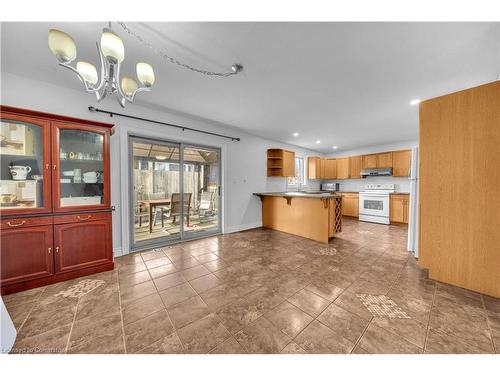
346, 84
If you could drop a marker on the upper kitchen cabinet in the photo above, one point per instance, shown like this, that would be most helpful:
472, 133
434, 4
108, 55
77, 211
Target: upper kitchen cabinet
355, 164
280, 163
314, 168
369, 161
80, 175
401, 163
382, 160
330, 170
343, 168
25, 165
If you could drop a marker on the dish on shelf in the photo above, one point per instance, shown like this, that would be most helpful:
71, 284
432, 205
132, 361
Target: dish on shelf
8, 199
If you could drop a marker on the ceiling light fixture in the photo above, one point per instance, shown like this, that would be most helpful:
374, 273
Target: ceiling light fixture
161, 157
295, 134
111, 54
318, 142
415, 102
334, 147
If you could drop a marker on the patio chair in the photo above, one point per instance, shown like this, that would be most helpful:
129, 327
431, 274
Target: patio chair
206, 205
175, 207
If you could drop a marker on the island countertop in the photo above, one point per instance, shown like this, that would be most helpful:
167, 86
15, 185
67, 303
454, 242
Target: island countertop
299, 194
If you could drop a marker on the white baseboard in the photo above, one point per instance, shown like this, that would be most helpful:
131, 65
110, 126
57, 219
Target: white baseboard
239, 228
117, 252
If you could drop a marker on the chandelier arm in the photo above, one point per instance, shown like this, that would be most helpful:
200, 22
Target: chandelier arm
85, 84
102, 63
118, 85
140, 89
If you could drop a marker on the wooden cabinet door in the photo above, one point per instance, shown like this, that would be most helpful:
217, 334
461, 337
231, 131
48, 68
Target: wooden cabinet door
321, 168
83, 244
369, 161
288, 163
355, 166
25, 164
350, 205
80, 170
26, 254
330, 169
384, 160
311, 167
343, 168
401, 161
399, 208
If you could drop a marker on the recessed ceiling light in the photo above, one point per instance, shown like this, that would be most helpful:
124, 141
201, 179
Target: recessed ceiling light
318, 141
334, 147
295, 134
415, 101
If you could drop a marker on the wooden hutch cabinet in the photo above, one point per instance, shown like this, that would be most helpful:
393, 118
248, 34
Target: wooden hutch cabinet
55, 206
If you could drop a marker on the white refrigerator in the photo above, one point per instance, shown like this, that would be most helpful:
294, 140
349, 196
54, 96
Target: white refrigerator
413, 214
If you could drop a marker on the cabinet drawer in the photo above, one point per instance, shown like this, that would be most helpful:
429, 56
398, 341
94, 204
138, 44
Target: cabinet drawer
25, 222
82, 217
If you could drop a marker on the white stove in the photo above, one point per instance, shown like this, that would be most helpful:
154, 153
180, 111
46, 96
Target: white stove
374, 203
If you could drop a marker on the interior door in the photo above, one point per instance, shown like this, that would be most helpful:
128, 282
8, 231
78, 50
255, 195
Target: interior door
201, 186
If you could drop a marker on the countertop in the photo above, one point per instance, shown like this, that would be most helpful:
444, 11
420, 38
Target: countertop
300, 194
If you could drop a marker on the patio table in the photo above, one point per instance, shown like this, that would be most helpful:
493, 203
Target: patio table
152, 204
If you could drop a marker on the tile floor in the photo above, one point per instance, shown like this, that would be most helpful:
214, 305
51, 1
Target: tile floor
260, 291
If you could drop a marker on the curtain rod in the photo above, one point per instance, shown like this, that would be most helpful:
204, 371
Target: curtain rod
111, 114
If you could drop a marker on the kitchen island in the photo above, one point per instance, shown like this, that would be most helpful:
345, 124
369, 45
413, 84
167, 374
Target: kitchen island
317, 216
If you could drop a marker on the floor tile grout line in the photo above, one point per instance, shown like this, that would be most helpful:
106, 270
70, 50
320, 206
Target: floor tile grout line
429, 319
121, 311
72, 325
31, 309
488, 323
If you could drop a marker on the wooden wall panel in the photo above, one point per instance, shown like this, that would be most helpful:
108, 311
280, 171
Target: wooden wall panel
460, 188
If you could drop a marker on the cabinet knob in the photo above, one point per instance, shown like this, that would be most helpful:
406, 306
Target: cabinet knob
50, 250
54, 167
84, 217
47, 166
57, 249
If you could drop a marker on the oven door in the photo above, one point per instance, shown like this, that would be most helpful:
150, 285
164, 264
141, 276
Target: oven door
374, 205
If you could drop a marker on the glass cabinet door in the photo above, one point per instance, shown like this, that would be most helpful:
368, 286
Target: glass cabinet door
80, 176
24, 165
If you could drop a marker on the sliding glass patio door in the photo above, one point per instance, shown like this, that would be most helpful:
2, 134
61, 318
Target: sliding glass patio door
201, 186
175, 190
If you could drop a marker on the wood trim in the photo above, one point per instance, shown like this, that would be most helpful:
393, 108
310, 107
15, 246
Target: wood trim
56, 188
46, 160
52, 116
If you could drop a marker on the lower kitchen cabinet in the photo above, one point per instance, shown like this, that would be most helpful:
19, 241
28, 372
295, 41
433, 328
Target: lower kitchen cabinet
399, 208
82, 244
350, 204
26, 254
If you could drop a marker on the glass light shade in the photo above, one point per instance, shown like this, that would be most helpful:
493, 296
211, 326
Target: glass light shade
62, 45
129, 85
145, 74
87, 71
112, 46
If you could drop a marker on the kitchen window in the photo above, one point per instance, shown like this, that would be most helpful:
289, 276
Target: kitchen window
299, 178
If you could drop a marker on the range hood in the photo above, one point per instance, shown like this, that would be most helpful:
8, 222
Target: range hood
376, 172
